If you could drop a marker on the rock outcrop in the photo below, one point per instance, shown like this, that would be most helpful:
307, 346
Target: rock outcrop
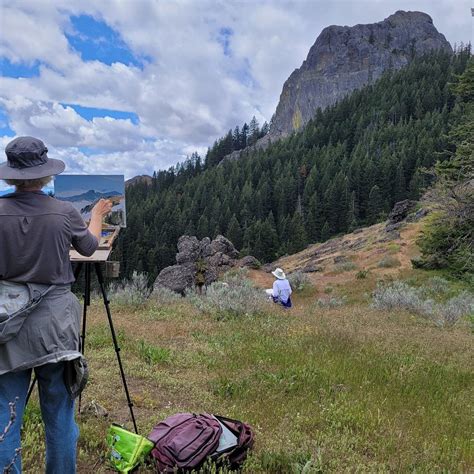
199, 263
144, 178
346, 58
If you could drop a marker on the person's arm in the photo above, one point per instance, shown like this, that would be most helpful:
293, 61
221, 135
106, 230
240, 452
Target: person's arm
276, 290
101, 209
86, 239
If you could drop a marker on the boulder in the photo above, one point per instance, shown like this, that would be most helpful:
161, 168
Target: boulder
391, 227
416, 216
188, 249
400, 211
177, 277
268, 267
223, 245
312, 269
248, 262
199, 262
220, 259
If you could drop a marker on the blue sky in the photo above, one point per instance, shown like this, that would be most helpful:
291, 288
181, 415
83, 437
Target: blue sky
94, 40
131, 87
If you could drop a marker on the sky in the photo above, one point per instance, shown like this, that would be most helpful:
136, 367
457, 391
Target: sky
132, 86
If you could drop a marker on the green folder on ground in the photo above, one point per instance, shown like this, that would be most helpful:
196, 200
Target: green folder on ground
127, 449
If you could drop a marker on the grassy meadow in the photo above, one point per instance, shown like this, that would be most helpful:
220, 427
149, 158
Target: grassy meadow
327, 388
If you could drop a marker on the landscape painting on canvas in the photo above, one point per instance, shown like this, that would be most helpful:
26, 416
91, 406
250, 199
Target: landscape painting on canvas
83, 192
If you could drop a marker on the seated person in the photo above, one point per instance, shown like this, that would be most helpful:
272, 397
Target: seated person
281, 291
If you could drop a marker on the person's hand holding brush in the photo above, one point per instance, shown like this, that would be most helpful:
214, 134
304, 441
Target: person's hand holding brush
100, 210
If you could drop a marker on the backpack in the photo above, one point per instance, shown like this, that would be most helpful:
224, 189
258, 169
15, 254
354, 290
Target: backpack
186, 440
237, 454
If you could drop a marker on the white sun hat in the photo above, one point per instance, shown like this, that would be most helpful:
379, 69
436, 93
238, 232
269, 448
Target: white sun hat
279, 273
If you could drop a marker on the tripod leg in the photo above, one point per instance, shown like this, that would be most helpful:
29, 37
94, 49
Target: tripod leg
30, 390
100, 278
77, 270
87, 302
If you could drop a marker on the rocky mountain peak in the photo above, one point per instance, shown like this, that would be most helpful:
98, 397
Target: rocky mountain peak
345, 58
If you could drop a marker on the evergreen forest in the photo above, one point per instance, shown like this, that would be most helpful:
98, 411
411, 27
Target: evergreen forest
345, 169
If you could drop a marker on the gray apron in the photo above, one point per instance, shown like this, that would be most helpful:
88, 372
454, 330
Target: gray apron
39, 324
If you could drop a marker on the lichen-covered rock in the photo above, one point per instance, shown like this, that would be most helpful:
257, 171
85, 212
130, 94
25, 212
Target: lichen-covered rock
341, 259
312, 269
177, 277
416, 216
199, 262
248, 262
400, 211
222, 245
188, 249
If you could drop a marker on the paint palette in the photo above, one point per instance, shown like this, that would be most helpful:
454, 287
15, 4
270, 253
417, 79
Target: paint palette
109, 234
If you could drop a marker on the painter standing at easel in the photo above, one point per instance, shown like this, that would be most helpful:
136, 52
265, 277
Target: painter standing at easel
39, 315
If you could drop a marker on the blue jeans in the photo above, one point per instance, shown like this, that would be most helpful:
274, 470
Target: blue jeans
57, 410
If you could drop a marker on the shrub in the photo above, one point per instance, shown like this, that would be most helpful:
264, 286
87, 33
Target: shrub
299, 280
164, 296
234, 297
331, 302
133, 292
362, 274
344, 267
393, 248
399, 295
389, 262
454, 309
437, 285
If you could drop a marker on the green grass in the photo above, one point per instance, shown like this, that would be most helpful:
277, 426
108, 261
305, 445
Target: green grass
151, 354
326, 389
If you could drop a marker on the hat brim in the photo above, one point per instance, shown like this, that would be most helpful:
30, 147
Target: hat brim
280, 277
50, 168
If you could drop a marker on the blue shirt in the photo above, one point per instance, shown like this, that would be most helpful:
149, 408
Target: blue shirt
282, 290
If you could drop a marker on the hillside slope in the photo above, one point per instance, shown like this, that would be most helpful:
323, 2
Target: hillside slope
337, 261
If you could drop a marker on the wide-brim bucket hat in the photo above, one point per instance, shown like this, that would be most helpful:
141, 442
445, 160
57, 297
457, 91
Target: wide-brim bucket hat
279, 273
27, 158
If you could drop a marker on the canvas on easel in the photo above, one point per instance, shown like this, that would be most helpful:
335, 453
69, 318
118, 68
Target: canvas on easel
83, 192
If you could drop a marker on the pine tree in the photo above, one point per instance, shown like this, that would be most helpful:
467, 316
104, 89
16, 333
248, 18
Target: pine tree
203, 227
325, 232
234, 232
375, 206
297, 235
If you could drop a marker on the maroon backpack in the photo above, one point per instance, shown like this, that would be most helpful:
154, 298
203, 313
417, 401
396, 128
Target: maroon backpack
235, 456
186, 440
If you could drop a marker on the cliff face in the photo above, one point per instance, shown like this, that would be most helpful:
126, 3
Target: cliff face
347, 58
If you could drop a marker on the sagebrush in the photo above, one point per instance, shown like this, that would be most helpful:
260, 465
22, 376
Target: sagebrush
132, 292
235, 296
299, 281
400, 295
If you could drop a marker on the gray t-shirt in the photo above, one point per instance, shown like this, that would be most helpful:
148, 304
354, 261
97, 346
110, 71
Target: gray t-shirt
36, 233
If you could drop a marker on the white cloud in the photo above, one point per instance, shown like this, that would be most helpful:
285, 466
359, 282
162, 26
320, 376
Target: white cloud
189, 93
